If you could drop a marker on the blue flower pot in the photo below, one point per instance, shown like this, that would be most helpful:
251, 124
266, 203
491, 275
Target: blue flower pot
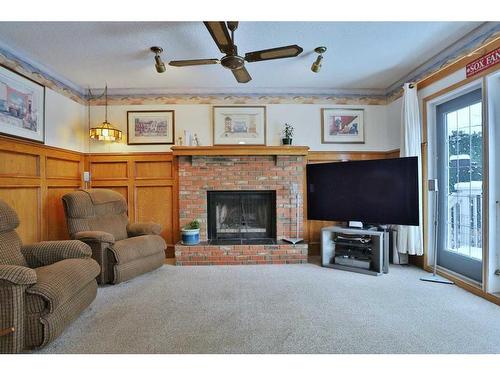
190, 236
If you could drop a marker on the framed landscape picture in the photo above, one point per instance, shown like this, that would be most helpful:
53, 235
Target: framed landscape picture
239, 125
339, 125
22, 106
150, 127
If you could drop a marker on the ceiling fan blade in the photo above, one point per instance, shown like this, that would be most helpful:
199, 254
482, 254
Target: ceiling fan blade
274, 53
220, 35
242, 75
193, 62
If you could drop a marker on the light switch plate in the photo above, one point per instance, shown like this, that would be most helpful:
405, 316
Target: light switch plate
86, 176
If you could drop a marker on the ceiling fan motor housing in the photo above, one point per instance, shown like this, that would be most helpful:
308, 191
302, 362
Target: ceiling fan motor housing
232, 62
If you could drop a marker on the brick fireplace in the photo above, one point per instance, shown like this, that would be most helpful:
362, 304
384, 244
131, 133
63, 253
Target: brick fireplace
204, 170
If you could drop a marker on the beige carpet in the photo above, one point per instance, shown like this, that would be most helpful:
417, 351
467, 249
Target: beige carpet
282, 309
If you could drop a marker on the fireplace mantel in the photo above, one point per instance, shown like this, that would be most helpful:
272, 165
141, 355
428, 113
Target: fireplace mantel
239, 150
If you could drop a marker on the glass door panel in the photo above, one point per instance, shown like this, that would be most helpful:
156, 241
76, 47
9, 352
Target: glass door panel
460, 175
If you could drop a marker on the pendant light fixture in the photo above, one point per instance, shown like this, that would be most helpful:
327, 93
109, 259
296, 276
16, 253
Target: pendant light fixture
105, 131
159, 64
316, 65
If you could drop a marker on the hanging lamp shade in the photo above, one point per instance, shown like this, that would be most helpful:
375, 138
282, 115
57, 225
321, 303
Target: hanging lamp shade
105, 131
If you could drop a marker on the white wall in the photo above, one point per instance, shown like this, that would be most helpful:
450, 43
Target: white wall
394, 122
306, 118
64, 122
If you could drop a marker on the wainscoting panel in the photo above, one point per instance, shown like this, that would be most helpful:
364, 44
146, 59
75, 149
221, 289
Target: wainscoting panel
153, 169
109, 170
155, 203
148, 181
63, 168
19, 164
26, 202
33, 178
57, 230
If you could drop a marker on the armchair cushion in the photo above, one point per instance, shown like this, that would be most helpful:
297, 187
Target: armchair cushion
8, 217
139, 229
137, 247
10, 249
17, 274
49, 252
58, 282
94, 236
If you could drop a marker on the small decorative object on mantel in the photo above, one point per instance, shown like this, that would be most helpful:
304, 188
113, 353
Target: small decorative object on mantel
190, 234
150, 127
179, 141
287, 135
188, 138
342, 125
196, 140
239, 125
22, 106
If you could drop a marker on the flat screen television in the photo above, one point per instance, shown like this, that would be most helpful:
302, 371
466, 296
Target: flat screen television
371, 191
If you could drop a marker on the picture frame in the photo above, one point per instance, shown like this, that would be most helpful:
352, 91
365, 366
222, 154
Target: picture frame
22, 106
239, 125
342, 125
151, 127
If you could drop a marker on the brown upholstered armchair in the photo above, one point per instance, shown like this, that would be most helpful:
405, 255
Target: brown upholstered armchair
43, 286
98, 217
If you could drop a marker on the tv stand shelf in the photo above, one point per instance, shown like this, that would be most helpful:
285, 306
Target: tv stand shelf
373, 249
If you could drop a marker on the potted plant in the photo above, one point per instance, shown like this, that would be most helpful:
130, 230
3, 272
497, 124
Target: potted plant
190, 234
287, 134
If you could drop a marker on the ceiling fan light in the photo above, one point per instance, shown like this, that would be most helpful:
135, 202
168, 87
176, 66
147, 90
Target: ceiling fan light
316, 65
159, 65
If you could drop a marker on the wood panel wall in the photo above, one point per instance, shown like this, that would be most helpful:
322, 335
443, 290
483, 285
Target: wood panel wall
33, 178
148, 181
313, 227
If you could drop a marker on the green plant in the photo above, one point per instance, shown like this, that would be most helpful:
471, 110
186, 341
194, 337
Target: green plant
288, 131
195, 224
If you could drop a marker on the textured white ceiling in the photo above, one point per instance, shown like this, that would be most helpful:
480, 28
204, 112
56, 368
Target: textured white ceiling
361, 55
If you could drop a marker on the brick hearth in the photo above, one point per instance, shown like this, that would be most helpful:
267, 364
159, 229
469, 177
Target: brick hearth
201, 173
204, 254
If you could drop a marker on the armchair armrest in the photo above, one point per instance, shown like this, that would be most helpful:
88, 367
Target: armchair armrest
49, 252
94, 236
140, 229
19, 275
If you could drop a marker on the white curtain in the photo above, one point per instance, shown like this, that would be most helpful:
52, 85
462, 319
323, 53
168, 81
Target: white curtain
409, 238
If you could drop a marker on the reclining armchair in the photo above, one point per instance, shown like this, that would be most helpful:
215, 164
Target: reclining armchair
98, 217
43, 286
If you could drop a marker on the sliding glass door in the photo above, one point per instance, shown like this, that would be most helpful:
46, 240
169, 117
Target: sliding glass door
460, 176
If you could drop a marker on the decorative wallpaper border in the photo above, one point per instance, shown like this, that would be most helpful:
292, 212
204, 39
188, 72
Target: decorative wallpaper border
484, 34
450, 55
242, 99
24, 68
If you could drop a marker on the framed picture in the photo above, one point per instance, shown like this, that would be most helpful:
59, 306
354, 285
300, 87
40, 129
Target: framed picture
150, 127
239, 125
22, 106
339, 125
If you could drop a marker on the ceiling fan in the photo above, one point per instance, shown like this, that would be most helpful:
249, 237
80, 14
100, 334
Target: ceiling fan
231, 60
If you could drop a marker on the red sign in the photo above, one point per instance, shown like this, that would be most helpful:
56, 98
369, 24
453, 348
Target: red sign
483, 63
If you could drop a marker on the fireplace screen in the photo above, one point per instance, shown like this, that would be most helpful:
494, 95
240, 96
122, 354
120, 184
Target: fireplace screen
236, 217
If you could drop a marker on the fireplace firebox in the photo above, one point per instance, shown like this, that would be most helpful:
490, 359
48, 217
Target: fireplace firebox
241, 217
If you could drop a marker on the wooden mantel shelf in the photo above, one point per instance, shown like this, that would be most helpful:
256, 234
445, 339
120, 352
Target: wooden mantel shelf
239, 150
